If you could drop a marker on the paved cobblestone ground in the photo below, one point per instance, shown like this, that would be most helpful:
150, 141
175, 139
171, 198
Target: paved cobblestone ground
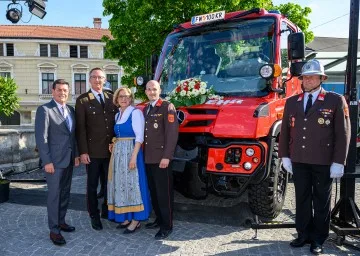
208, 227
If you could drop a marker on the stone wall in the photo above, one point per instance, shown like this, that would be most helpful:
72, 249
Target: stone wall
17, 148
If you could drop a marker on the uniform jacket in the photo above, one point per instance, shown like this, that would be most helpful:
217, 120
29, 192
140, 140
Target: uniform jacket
55, 142
95, 125
320, 137
161, 132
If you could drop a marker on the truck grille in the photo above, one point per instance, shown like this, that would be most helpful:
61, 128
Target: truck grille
199, 117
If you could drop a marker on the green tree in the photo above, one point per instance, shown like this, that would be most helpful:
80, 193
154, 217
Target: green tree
9, 101
139, 27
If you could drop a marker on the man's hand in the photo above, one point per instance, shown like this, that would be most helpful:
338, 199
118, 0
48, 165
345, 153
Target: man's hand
85, 159
287, 164
49, 168
336, 170
164, 163
77, 161
111, 146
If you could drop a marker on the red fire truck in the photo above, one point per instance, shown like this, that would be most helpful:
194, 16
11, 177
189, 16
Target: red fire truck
229, 145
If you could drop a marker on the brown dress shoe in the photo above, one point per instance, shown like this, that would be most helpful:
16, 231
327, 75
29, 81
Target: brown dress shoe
66, 228
57, 239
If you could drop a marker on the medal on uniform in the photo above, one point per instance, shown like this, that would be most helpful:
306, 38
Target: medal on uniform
327, 122
156, 125
321, 120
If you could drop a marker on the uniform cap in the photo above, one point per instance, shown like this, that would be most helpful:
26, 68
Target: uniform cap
312, 68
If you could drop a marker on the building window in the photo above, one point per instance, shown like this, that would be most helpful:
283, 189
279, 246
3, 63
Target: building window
78, 51
47, 81
43, 50
54, 50
6, 49
9, 49
80, 83
73, 51
83, 51
112, 81
5, 74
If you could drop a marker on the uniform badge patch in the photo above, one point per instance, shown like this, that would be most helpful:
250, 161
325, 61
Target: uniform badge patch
327, 122
171, 118
321, 120
156, 125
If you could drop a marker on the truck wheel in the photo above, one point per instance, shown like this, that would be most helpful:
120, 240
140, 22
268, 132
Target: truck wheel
267, 198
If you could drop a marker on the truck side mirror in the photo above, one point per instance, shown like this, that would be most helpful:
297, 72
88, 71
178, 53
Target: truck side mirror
296, 46
295, 68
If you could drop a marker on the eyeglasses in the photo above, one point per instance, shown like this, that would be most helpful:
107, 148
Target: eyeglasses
126, 97
97, 77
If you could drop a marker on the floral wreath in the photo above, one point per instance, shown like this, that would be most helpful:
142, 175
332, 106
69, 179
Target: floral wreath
191, 91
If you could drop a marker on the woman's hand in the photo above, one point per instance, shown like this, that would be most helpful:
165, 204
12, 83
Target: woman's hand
132, 164
111, 146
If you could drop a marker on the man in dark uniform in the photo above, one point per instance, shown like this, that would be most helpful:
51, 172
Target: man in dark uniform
95, 118
161, 134
314, 142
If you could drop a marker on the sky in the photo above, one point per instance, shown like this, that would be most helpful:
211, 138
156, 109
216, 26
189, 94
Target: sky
328, 17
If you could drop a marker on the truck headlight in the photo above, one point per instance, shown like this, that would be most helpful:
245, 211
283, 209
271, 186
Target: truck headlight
250, 151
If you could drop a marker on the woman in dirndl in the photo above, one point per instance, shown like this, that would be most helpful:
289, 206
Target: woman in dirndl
128, 194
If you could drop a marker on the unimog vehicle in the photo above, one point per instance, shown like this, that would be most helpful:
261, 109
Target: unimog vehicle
228, 144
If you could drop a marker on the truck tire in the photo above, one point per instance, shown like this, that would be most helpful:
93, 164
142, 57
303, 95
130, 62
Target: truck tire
267, 198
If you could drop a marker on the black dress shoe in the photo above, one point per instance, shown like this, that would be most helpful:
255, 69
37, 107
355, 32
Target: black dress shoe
96, 223
299, 242
57, 239
316, 248
162, 234
128, 231
123, 225
152, 225
66, 228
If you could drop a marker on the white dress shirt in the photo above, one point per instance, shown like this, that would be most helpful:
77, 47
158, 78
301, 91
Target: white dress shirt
138, 121
66, 113
314, 94
96, 94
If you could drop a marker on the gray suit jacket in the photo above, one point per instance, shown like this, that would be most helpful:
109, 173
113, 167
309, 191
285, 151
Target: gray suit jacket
55, 142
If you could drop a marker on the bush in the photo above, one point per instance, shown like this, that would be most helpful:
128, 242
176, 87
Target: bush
9, 101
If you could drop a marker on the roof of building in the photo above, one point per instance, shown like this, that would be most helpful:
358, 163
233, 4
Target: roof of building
329, 44
52, 32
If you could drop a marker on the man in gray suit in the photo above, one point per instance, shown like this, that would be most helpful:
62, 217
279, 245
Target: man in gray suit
55, 140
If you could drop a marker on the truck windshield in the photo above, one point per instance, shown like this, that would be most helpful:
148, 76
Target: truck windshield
227, 56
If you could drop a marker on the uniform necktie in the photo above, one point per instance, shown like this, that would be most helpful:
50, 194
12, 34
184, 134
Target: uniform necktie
308, 104
66, 116
149, 109
101, 101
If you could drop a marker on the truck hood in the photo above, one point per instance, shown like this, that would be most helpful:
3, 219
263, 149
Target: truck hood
227, 118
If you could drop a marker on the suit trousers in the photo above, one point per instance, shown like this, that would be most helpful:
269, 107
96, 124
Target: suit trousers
313, 201
160, 182
59, 184
94, 170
